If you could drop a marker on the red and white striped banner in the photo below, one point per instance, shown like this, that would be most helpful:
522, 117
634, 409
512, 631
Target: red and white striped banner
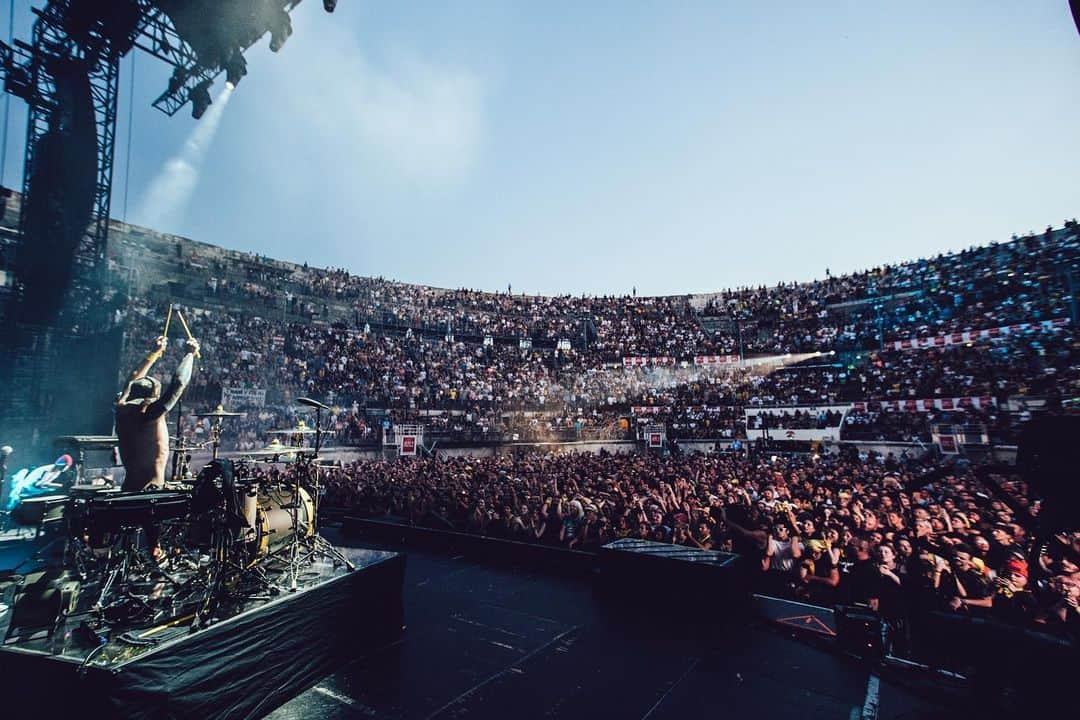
659, 409
715, 359
638, 361
961, 338
927, 404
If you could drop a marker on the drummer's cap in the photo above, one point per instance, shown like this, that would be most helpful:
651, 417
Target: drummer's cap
64, 461
144, 387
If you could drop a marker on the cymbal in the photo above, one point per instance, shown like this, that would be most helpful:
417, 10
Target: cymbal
274, 448
312, 403
188, 445
88, 442
220, 412
271, 453
293, 431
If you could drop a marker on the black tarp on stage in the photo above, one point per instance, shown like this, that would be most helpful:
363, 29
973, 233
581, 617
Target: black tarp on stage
242, 667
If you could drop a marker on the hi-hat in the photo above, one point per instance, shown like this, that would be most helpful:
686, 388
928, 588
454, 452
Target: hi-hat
300, 429
274, 448
312, 403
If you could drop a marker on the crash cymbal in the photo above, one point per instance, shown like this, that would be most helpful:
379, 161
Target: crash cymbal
271, 453
300, 429
220, 412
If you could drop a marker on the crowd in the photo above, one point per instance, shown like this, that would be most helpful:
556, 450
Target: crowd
823, 530
795, 420
496, 367
364, 343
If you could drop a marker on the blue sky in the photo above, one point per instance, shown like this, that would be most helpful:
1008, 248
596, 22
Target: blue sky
593, 147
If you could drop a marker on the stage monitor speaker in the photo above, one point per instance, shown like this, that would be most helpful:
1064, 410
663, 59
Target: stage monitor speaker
860, 631
1047, 458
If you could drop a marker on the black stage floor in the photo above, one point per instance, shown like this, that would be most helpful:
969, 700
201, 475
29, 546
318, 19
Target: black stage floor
489, 642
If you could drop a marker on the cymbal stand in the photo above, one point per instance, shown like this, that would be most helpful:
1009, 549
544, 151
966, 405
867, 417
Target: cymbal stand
307, 466
179, 454
317, 544
215, 437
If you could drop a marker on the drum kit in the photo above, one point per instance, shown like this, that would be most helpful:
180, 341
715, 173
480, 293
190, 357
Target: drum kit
234, 532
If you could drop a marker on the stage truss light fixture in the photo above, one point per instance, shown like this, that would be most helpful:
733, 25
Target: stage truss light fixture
280, 29
200, 98
329, 5
235, 68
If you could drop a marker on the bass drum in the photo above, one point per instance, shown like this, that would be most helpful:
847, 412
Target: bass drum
273, 520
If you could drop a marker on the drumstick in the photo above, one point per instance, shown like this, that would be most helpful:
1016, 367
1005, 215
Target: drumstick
165, 332
183, 322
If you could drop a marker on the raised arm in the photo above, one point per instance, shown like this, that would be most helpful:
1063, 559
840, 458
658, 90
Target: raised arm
151, 358
179, 382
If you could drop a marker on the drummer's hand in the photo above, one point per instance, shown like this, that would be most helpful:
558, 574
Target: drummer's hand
191, 346
160, 344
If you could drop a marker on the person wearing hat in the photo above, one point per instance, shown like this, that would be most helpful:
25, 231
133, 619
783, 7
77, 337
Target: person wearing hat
1013, 601
141, 429
42, 480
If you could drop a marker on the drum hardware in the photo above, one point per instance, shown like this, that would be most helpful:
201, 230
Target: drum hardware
307, 467
218, 414
179, 448
230, 537
121, 564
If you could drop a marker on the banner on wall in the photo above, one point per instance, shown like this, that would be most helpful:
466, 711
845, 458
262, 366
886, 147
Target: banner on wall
234, 397
927, 404
641, 361
715, 359
962, 338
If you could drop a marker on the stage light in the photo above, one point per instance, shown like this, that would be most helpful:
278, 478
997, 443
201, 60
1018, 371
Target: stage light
235, 68
329, 5
280, 29
18, 82
200, 98
176, 80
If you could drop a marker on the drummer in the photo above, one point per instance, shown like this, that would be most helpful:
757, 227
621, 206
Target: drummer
141, 429
43, 480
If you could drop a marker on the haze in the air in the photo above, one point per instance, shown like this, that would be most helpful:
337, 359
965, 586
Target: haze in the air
595, 147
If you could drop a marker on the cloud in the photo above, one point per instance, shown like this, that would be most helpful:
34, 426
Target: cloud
419, 119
